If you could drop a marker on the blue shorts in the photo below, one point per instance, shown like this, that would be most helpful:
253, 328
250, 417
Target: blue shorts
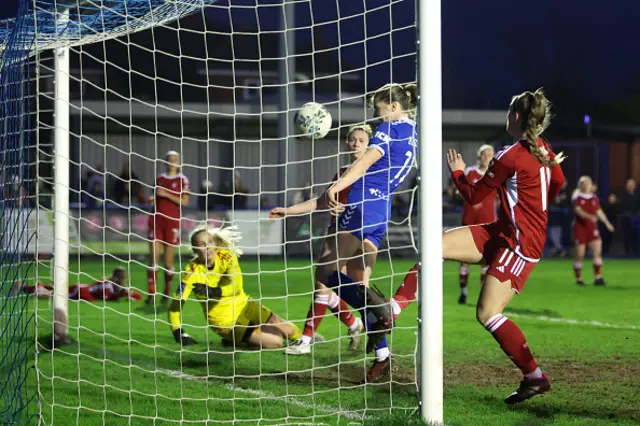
365, 222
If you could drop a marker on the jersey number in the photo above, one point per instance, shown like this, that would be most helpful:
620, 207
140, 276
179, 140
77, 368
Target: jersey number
544, 186
407, 163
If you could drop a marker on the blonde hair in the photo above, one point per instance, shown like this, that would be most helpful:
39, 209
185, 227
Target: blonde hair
224, 237
535, 112
483, 147
364, 127
406, 96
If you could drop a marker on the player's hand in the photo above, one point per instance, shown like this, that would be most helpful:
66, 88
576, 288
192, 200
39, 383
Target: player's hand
593, 218
610, 227
335, 206
455, 161
161, 192
183, 338
209, 292
277, 213
477, 206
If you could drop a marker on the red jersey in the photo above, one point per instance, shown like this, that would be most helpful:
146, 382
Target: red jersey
483, 212
177, 185
343, 196
589, 203
526, 188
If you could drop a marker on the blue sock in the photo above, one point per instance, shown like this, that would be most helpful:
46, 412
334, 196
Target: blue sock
346, 289
383, 343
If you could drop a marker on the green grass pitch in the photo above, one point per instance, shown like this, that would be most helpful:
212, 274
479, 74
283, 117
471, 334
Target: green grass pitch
125, 368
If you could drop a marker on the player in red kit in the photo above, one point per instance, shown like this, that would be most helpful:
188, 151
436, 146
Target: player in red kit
108, 289
586, 206
357, 141
527, 178
483, 212
171, 194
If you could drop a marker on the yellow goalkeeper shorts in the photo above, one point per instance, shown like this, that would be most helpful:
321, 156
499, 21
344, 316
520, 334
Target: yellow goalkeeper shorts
250, 319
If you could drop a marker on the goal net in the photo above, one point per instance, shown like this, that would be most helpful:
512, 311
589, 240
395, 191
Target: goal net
217, 82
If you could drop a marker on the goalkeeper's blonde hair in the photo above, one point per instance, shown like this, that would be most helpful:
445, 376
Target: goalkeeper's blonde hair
226, 237
363, 127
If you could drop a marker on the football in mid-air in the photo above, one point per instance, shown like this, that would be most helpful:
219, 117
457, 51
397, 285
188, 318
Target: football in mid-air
313, 120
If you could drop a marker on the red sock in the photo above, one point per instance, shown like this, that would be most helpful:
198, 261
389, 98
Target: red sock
464, 276
483, 275
597, 268
168, 281
512, 342
152, 278
342, 311
316, 314
406, 293
577, 270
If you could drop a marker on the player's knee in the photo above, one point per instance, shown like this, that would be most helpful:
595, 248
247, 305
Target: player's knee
484, 313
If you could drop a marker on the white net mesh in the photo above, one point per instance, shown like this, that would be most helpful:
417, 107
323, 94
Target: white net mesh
217, 82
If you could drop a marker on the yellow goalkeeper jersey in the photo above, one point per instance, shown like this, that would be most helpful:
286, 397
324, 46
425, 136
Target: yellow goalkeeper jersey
225, 274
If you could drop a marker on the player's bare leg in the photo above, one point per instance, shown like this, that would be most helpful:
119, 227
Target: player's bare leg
596, 252
494, 297
354, 269
577, 263
323, 299
265, 338
464, 278
155, 247
458, 245
169, 271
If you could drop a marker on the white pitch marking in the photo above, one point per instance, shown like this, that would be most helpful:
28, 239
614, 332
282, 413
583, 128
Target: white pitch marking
574, 321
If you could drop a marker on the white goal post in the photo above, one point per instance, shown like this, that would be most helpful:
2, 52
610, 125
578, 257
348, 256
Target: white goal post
121, 83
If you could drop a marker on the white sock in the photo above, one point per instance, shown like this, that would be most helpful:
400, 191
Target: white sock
382, 354
535, 374
305, 339
333, 301
395, 307
355, 325
463, 291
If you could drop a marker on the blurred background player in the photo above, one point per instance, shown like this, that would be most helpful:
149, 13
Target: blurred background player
214, 276
586, 206
362, 224
483, 212
108, 289
527, 177
357, 141
171, 194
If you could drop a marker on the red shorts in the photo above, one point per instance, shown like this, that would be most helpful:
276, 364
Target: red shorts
503, 263
164, 229
80, 292
585, 235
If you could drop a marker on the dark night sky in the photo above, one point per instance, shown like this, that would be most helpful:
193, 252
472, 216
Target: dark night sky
584, 53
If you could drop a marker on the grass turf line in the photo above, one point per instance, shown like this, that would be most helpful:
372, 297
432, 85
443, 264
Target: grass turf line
593, 369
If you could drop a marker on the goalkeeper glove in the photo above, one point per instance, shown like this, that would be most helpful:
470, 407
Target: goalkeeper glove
183, 338
207, 291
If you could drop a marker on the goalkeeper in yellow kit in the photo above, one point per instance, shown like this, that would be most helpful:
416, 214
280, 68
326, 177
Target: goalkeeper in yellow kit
215, 278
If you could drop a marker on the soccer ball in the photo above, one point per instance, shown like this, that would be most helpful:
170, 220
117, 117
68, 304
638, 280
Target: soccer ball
313, 120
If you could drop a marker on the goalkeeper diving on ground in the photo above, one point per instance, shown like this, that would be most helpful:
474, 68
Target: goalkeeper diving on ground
215, 278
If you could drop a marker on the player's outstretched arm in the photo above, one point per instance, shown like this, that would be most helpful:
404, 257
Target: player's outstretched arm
356, 171
485, 187
556, 182
604, 219
296, 209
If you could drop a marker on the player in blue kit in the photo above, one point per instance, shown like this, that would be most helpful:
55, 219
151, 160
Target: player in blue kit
362, 222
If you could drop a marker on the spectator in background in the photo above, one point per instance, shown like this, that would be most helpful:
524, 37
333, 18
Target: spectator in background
612, 209
241, 193
206, 200
15, 193
304, 194
629, 206
127, 188
560, 219
93, 196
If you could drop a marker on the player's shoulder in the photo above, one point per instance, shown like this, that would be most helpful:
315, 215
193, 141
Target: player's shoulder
472, 170
509, 153
225, 255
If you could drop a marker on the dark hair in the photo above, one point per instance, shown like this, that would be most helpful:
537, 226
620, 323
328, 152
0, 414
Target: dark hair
406, 96
535, 113
119, 273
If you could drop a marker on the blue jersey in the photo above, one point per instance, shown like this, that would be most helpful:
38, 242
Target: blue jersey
397, 142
